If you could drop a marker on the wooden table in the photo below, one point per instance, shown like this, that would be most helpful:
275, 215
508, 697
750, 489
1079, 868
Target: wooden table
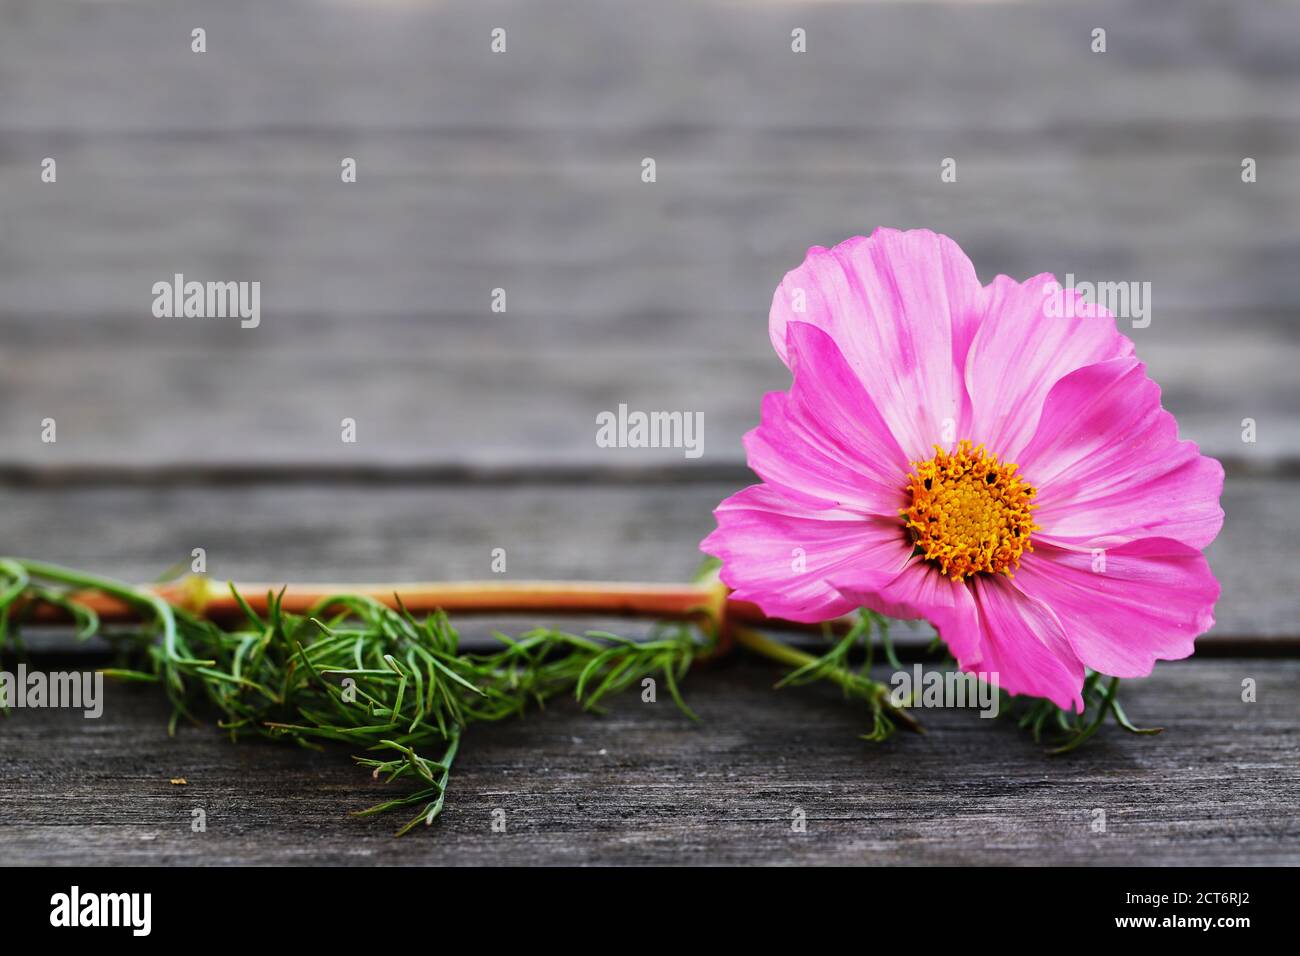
476, 428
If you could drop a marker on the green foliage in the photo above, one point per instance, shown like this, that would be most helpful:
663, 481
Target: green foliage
353, 671
1042, 717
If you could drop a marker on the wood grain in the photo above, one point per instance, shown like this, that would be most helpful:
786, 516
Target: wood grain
644, 785
521, 172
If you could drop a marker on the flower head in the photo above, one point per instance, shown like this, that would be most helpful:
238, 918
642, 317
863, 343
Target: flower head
976, 456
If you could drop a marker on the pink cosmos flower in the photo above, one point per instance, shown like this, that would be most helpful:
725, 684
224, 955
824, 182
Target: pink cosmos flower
992, 458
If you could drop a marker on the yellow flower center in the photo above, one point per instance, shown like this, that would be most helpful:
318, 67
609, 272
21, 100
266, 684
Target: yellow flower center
969, 513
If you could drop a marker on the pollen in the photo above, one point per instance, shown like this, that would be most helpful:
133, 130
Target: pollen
970, 514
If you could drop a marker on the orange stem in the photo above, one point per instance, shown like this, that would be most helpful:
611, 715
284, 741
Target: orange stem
462, 597
698, 602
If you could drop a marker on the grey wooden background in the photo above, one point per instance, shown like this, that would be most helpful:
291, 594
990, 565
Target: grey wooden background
522, 171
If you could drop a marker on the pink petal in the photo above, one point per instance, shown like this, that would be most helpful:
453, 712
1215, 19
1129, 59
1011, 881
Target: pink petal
1109, 467
1024, 644
902, 307
1151, 602
1020, 351
825, 443
779, 553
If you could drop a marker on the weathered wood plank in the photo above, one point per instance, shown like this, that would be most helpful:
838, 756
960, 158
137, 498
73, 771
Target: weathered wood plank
629, 532
437, 220
644, 785
154, 405
602, 309
521, 172
412, 64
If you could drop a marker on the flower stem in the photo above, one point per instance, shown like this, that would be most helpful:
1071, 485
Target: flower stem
772, 649
117, 603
